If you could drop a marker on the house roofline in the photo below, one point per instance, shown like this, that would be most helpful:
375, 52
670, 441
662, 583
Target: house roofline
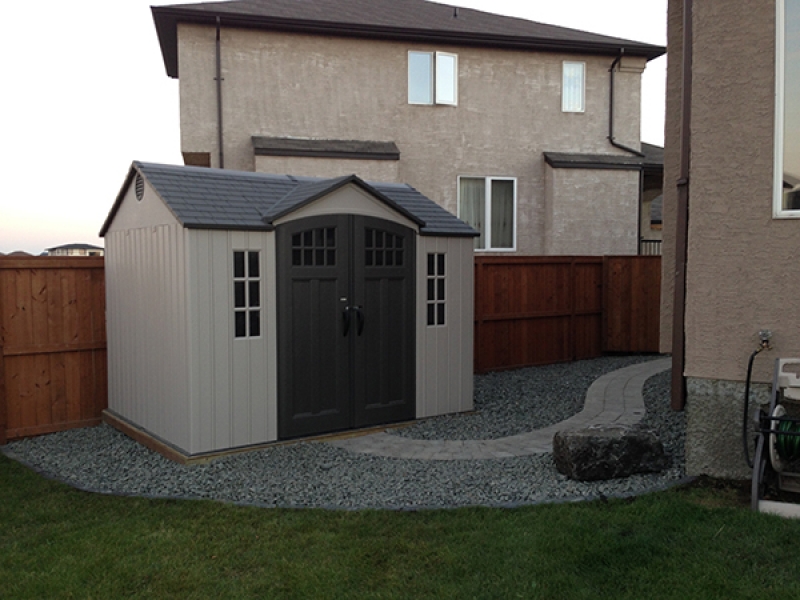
166, 20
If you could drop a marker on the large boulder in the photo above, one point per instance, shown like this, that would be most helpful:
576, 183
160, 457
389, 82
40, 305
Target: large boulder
607, 452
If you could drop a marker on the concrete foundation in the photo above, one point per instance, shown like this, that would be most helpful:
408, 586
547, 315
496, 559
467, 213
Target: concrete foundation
714, 411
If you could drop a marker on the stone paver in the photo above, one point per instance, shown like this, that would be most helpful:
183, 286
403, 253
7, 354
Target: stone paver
614, 398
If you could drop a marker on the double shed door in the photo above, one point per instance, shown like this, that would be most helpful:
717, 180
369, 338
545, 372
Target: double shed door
346, 324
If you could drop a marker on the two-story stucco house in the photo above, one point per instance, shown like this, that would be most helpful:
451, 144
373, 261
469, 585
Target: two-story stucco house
528, 132
732, 223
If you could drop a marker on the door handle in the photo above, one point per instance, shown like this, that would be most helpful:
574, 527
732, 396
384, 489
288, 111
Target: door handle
346, 320
360, 316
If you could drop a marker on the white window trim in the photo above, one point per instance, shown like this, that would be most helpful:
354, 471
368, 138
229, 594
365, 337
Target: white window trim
778, 212
583, 87
488, 211
435, 97
247, 308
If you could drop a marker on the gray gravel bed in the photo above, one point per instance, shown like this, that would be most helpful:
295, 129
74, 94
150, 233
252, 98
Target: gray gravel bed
316, 474
512, 402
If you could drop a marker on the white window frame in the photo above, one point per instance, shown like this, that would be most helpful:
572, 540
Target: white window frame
488, 211
249, 308
434, 80
778, 212
564, 107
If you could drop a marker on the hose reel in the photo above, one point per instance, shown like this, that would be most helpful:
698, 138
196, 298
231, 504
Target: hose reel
777, 454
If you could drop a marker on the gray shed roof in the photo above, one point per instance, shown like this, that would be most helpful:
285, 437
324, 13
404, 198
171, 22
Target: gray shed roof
406, 20
203, 198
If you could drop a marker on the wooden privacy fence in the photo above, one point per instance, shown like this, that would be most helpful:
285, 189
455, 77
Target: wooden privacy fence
52, 344
541, 310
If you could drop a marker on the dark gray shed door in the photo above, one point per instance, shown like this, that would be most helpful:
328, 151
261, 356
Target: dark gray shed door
345, 324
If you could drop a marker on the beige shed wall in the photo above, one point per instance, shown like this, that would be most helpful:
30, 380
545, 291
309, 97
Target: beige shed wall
591, 211
368, 170
509, 109
233, 381
147, 323
350, 200
444, 353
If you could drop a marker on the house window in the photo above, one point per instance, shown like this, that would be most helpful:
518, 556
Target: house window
436, 289
246, 294
573, 87
432, 78
489, 205
787, 110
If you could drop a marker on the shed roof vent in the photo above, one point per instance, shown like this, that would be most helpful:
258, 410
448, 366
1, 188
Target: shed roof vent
139, 186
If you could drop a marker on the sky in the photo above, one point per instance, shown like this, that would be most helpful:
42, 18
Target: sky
85, 94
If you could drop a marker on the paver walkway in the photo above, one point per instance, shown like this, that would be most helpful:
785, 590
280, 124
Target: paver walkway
614, 398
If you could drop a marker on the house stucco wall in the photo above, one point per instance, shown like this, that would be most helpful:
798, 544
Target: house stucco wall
591, 211
742, 265
509, 109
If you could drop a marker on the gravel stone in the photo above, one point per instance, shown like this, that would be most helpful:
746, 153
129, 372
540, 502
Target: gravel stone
316, 474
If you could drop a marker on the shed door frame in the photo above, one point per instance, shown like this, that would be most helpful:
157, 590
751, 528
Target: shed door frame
346, 324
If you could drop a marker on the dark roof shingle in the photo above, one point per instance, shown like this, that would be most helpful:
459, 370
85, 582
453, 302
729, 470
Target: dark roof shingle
408, 20
203, 198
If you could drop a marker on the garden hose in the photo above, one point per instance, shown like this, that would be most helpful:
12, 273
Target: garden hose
788, 446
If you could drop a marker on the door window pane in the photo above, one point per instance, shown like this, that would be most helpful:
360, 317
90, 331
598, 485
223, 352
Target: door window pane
502, 214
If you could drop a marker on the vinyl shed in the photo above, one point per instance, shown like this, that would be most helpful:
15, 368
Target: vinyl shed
245, 308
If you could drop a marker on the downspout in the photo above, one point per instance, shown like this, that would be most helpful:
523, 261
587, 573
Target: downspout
611, 139
219, 100
678, 401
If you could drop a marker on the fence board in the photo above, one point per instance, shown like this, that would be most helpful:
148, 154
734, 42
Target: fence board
53, 373
536, 310
541, 310
632, 303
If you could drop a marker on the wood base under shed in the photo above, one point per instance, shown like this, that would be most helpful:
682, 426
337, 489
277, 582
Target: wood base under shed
153, 442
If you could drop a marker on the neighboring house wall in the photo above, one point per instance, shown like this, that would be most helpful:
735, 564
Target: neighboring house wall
591, 211
742, 262
508, 113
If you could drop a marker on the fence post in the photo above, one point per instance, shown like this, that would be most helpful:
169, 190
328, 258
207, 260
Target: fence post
3, 398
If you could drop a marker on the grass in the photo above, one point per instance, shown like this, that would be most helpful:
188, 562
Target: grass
699, 541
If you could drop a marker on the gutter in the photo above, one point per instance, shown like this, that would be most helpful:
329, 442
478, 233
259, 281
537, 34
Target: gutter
218, 79
678, 400
611, 139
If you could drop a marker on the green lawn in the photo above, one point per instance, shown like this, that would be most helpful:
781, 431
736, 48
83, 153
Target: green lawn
697, 542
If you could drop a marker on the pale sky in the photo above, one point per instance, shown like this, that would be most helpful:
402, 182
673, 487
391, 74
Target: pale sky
85, 93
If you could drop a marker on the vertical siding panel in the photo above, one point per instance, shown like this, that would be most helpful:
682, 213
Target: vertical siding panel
201, 324
221, 348
239, 358
259, 411
271, 332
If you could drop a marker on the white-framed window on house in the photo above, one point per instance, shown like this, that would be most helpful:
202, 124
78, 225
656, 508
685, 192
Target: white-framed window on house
436, 289
246, 294
573, 86
489, 205
432, 78
787, 110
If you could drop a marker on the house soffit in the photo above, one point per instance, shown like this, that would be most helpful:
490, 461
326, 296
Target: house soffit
406, 20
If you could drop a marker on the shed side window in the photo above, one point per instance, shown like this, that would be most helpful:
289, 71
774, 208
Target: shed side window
436, 289
246, 294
